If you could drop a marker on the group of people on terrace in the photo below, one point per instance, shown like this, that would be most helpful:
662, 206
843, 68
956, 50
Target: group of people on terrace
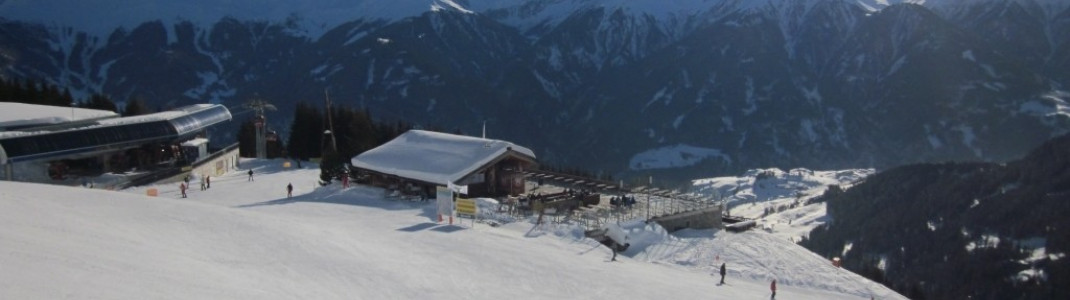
624, 201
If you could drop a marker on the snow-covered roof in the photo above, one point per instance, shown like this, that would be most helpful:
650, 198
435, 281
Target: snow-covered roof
13, 115
86, 138
195, 142
435, 157
159, 116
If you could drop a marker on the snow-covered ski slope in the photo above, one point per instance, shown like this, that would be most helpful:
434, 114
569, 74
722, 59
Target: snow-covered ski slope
246, 240
783, 194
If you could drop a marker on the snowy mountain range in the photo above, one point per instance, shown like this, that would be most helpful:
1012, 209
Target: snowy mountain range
672, 88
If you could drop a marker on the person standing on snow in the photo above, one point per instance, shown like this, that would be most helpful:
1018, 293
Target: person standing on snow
203, 185
289, 190
617, 247
772, 287
208, 180
182, 188
613, 247
723, 271
250, 175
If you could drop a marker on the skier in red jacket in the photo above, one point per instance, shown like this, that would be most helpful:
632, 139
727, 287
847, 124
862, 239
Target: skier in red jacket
772, 287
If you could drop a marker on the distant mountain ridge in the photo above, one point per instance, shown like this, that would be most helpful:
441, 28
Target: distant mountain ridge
102, 17
676, 89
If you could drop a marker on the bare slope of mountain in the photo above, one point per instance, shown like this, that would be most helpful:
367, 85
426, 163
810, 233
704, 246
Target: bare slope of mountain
675, 89
900, 85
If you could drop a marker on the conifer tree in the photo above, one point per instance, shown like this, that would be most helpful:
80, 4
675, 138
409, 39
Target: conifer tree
135, 107
70, 99
6, 91
247, 139
31, 94
101, 102
331, 167
306, 133
51, 96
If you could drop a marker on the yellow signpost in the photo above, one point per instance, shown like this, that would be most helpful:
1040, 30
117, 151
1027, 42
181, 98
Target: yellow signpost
466, 207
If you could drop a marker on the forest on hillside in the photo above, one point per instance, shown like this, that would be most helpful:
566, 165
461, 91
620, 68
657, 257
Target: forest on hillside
958, 230
34, 92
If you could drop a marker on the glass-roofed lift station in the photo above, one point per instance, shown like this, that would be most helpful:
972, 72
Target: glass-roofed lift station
105, 145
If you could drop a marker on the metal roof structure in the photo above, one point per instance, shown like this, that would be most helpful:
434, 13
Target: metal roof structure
437, 158
110, 134
22, 116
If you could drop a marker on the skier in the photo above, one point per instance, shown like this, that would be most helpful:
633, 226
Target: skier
722, 273
772, 287
208, 181
289, 190
250, 175
613, 246
203, 184
616, 240
617, 247
182, 187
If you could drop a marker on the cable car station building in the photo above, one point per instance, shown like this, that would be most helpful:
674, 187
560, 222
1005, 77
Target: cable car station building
41, 144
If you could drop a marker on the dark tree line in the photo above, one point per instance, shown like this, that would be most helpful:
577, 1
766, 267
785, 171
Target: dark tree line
247, 141
306, 133
355, 131
136, 107
33, 92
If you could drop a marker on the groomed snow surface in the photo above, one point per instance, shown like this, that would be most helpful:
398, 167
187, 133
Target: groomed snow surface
244, 239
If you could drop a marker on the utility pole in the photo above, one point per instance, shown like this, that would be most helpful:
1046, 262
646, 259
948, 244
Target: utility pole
651, 183
259, 106
330, 121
